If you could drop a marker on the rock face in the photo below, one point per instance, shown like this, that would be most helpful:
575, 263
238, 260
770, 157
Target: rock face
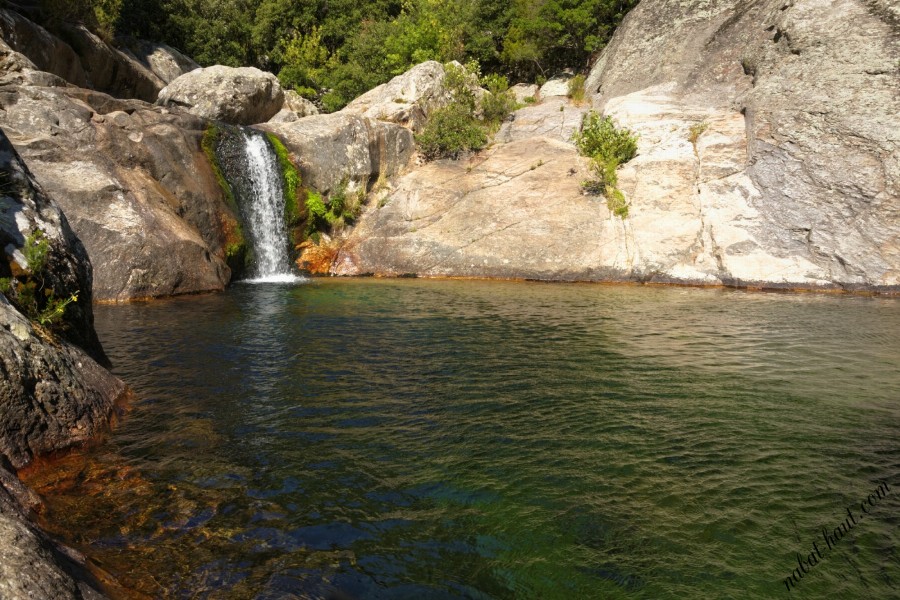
84, 60
24, 208
53, 395
341, 148
134, 184
796, 176
167, 63
407, 99
295, 107
767, 156
239, 96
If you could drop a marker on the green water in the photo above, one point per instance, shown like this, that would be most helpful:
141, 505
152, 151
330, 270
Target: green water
428, 439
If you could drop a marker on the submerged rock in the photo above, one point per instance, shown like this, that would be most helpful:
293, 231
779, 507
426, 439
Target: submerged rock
239, 96
34, 566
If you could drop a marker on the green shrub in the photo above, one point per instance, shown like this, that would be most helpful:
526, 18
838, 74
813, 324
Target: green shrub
450, 132
499, 101
599, 136
28, 291
291, 179
576, 88
696, 131
608, 147
454, 129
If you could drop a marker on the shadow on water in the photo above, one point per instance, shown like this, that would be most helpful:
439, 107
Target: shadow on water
445, 439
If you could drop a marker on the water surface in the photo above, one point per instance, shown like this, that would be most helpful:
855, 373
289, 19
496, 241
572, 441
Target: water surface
447, 439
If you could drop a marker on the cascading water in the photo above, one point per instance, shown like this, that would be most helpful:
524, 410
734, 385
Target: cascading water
251, 167
265, 212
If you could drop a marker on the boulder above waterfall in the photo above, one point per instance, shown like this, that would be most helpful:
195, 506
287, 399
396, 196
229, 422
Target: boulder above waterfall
406, 99
240, 96
341, 148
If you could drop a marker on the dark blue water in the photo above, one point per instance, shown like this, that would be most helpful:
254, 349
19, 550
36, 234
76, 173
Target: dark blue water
428, 439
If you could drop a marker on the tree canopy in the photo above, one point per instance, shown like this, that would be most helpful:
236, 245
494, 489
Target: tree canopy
333, 50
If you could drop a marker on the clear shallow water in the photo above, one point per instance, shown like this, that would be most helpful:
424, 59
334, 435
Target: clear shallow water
446, 439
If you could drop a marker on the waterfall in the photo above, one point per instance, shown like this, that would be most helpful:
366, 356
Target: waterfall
265, 211
250, 166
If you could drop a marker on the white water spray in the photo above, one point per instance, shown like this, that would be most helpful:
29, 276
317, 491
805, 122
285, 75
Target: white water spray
265, 214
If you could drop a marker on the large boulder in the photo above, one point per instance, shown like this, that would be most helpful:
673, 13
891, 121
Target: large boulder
134, 184
24, 209
239, 96
110, 70
43, 49
407, 99
345, 149
53, 394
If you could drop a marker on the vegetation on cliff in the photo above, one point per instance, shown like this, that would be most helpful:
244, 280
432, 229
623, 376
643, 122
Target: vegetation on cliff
466, 123
608, 147
28, 291
333, 51
238, 255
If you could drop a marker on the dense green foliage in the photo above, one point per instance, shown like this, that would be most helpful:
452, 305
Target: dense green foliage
334, 50
608, 147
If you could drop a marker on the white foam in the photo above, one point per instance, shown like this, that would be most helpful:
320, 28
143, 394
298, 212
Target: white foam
284, 278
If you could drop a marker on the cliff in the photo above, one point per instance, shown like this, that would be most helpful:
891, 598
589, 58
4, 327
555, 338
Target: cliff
53, 393
767, 156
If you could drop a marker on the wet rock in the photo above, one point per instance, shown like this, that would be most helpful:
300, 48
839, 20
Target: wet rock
239, 96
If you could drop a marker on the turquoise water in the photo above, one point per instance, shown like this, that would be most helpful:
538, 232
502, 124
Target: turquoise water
449, 439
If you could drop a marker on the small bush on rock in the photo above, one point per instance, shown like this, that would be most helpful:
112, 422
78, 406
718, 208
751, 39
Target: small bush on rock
608, 147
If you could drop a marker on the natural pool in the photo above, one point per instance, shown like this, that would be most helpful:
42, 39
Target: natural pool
453, 439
